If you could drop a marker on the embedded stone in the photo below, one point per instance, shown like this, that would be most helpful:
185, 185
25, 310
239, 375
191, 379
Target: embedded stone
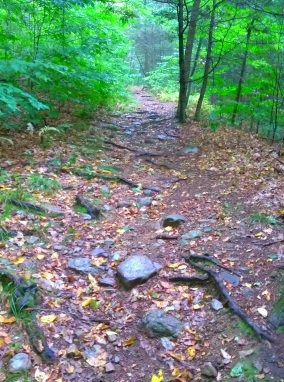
83, 265
20, 362
174, 220
157, 323
136, 270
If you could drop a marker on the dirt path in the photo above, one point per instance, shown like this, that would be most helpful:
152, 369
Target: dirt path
223, 183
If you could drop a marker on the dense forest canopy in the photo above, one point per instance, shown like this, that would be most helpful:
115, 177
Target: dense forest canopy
224, 58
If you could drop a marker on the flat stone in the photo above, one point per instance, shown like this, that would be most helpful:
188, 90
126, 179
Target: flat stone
109, 368
109, 241
83, 265
191, 150
20, 362
32, 239
191, 235
104, 190
166, 343
148, 192
209, 370
106, 208
157, 323
145, 202
230, 278
216, 305
99, 252
107, 282
51, 209
124, 203
244, 270
174, 220
136, 270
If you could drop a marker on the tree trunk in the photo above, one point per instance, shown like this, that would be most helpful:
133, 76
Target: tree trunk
207, 63
242, 74
186, 55
197, 53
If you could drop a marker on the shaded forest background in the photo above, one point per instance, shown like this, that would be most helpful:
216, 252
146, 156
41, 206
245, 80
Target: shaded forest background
221, 60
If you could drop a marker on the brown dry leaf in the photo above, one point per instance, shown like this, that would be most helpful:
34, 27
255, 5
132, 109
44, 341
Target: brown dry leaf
7, 320
178, 357
263, 312
19, 260
182, 375
225, 354
130, 341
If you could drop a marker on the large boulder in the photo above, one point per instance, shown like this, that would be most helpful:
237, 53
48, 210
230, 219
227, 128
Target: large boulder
157, 323
136, 270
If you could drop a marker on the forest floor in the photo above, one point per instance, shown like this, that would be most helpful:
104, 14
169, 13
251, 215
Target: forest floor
228, 186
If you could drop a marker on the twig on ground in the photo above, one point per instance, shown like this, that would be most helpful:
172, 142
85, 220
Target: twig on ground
167, 237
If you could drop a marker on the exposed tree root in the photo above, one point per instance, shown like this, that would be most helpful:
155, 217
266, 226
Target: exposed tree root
27, 205
24, 295
120, 146
191, 259
167, 237
93, 211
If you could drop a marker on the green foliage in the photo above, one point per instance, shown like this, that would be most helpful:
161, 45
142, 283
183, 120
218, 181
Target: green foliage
43, 183
245, 329
64, 53
263, 218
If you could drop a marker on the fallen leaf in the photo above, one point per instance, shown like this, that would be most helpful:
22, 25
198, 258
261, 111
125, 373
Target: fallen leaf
225, 354
48, 319
7, 320
19, 260
191, 352
41, 376
130, 341
178, 357
263, 312
158, 378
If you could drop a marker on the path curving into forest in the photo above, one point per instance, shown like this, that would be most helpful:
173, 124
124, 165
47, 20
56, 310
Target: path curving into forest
219, 187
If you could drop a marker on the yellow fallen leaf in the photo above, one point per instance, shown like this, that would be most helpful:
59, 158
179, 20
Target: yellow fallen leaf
7, 320
191, 352
40, 256
197, 306
158, 378
175, 265
86, 302
93, 282
248, 285
259, 234
48, 319
176, 356
19, 260
48, 276
54, 255
129, 341
120, 231
168, 229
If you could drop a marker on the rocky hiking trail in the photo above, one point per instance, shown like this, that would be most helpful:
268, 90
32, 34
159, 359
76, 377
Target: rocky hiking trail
108, 251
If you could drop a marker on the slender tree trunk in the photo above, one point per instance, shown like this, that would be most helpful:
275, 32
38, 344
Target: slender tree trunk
207, 63
185, 55
197, 54
242, 73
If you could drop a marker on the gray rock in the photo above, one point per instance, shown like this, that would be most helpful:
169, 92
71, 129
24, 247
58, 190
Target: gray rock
166, 343
86, 216
148, 192
124, 203
230, 278
216, 304
32, 239
244, 270
191, 235
207, 229
136, 270
136, 123
51, 209
109, 368
99, 252
111, 336
157, 323
106, 208
247, 293
174, 220
104, 190
144, 202
116, 359
83, 265
276, 317
20, 362
209, 370
109, 242
191, 150
107, 282
183, 242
